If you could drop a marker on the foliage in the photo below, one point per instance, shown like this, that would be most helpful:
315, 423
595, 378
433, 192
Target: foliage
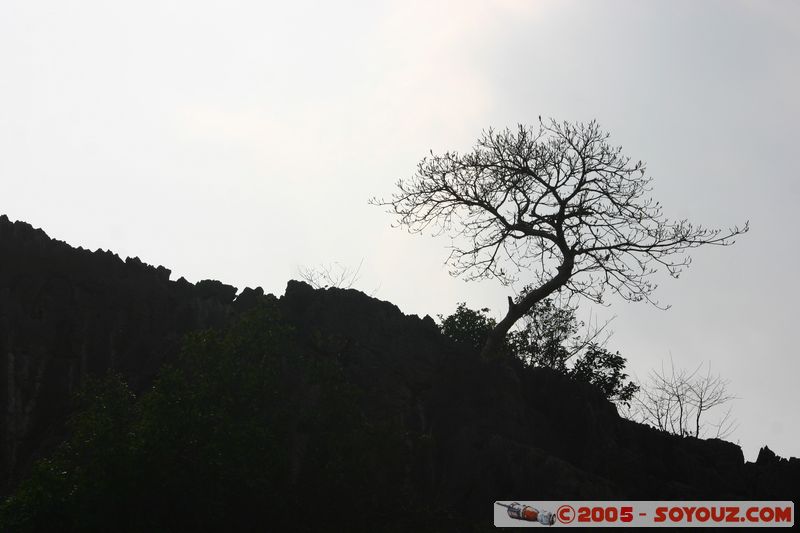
468, 326
64, 489
604, 370
240, 433
548, 336
548, 339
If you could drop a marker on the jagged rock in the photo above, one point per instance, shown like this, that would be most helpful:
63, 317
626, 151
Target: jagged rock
215, 290
248, 299
491, 429
499, 430
766, 457
68, 313
774, 477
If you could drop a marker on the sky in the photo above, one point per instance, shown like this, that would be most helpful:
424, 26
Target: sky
242, 140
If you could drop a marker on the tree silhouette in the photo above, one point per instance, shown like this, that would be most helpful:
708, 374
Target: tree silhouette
557, 203
678, 401
331, 275
549, 339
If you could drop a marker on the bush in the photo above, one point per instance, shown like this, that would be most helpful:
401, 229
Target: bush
547, 339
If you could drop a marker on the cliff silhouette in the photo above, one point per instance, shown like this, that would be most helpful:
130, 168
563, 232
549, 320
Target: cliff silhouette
497, 430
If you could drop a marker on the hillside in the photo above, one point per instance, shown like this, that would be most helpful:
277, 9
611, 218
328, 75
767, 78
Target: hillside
496, 430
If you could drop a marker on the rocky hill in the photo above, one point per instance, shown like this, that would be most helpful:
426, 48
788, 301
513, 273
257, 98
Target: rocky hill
68, 313
498, 430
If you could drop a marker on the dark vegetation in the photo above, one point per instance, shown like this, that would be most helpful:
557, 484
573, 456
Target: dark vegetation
548, 339
240, 431
136, 403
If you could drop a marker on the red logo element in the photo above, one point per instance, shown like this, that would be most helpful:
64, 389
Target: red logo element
565, 514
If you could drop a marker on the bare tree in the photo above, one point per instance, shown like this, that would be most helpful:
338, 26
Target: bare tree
678, 402
333, 274
556, 202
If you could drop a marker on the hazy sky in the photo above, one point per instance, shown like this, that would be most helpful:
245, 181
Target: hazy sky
240, 140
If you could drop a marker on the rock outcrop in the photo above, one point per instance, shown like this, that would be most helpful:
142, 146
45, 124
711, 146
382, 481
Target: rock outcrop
500, 431
496, 430
68, 313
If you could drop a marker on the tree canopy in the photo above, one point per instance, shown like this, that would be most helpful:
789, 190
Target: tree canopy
556, 204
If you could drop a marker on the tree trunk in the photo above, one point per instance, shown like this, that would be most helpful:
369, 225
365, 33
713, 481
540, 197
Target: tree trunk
491, 348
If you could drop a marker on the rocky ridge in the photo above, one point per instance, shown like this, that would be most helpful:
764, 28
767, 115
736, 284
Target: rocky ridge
497, 430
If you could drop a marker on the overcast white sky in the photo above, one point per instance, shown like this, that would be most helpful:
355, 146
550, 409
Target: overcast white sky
239, 140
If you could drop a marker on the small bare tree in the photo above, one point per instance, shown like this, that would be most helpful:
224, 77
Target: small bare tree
333, 274
678, 401
556, 202
330, 275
